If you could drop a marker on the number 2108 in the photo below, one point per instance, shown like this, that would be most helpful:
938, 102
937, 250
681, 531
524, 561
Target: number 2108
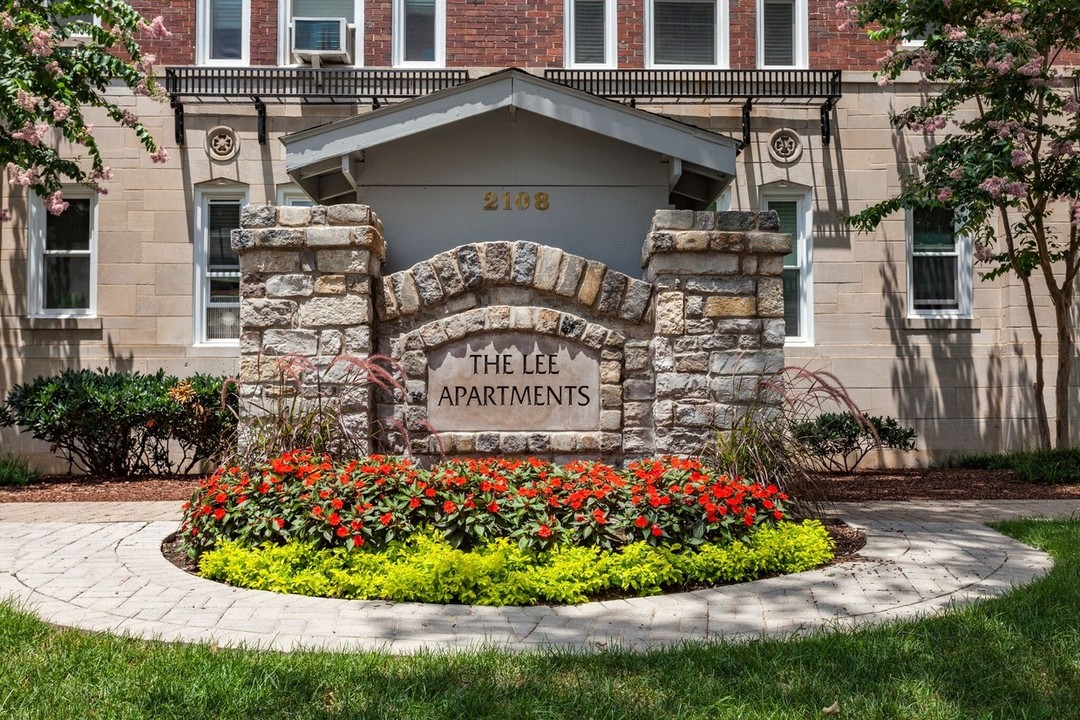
522, 201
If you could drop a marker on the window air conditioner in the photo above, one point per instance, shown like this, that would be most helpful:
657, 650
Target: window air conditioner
316, 40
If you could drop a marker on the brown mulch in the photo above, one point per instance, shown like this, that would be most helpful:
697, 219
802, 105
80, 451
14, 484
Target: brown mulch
865, 485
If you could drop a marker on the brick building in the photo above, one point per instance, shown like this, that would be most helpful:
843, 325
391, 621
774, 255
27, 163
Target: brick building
900, 317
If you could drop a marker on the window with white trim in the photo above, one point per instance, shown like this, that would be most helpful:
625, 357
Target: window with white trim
63, 257
224, 32
293, 196
795, 213
687, 33
590, 33
312, 35
217, 268
939, 265
419, 33
782, 34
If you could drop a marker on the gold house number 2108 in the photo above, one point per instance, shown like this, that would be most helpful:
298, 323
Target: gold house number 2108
521, 201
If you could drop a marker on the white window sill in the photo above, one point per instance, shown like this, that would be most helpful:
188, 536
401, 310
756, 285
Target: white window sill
925, 322
54, 322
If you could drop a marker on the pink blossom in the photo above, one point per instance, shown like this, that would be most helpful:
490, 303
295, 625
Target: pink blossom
128, 118
60, 110
5, 214
1062, 147
20, 176
1020, 157
156, 28
1032, 68
31, 133
924, 60
944, 194
55, 204
41, 42
983, 252
145, 65
27, 101
1072, 105
161, 155
1002, 66
105, 173
1076, 212
1016, 188
993, 185
6, 21
884, 80
54, 68
954, 33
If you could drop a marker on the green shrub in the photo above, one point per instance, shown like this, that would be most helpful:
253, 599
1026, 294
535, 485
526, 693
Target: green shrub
16, 470
1051, 466
426, 568
119, 424
840, 441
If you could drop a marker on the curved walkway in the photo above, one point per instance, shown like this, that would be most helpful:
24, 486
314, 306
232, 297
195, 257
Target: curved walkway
97, 566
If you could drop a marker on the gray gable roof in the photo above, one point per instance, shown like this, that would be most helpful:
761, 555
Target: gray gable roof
323, 159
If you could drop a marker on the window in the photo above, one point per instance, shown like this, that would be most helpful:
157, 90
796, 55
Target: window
293, 196
224, 32
316, 35
782, 34
794, 211
939, 265
63, 257
419, 32
590, 32
687, 32
217, 268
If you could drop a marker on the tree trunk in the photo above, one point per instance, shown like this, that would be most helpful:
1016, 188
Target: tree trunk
1066, 348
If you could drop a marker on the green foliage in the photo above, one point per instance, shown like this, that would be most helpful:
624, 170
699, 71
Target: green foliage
426, 568
840, 441
50, 79
1010, 161
377, 500
120, 424
15, 470
1050, 466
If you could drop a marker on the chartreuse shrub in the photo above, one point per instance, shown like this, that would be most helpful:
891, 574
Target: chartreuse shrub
128, 423
426, 568
15, 470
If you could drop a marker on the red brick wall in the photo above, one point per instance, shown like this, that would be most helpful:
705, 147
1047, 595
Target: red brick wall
179, 18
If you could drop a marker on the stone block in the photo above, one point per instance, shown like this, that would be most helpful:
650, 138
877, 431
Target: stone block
663, 412
673, 220
327, 311
293, 216
538, 442
636, 300
427, 283
691, 241
515, 443
724, 307
523, 264
321, 236
276, 341
261, 313
682, 385
637, 413
496, 260
773, 333
548, 262
594, 336
434, 335
768, 242
258, 216
571, 326
570, 275
498, 318
727, 242
547, 321
770, 297
610, 420
242, 239
610, 441
405, 290
330, 342
670, 308
638, 441
611, 292
278, 237
563, 442
736, 221
348, 214
590, 283
637, 390
635, 359
290, 285
469, 266
343, 261
269, 261
770, 264
721, 285
699, 415
335, 285
610, 371
697, 362
446, 269
487, 442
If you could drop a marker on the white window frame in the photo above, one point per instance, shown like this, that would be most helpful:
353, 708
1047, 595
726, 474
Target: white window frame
965, 271
202, 39
285, 15
291, 195
800, 36
38, 220
721, 34
203, 198
610, 36
397, 25
804, 244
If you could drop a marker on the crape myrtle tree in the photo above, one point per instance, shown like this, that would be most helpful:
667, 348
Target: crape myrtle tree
1003, 152
59, 58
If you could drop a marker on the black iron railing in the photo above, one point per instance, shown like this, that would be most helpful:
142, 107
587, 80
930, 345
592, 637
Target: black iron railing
750, 87
332, 85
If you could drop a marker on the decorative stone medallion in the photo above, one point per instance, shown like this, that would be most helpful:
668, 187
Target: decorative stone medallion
785, 146
222, 143
513, 381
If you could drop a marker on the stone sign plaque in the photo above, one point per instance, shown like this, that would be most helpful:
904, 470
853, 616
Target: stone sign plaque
513, 382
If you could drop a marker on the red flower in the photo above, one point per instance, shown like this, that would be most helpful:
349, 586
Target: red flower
642, 521
430, 492
221, 498
544, 531
334, 519
778, 515
337, 503
357, 541
279, 522
449, 506
493, 507
342, 531
317, 511
414, 502
387, 518
599, 517
219, 513
657, 531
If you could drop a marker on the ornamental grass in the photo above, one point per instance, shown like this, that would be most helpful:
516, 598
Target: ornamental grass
372, 502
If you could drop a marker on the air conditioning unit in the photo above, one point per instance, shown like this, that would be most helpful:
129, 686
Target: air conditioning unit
318, 40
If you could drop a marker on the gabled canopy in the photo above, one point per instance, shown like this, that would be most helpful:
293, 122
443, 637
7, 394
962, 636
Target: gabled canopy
324, 160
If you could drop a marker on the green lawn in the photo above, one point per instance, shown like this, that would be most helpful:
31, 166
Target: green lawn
1017, 657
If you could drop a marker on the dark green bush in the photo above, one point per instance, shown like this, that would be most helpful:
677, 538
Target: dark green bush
15, 470
840, 441
1051, 466
120, 424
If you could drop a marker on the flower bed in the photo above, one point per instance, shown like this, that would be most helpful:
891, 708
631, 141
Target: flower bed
375, 501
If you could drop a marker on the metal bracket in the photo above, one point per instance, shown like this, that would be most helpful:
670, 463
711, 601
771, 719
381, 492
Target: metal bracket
178, 120
260, 107
746, 120
826, 128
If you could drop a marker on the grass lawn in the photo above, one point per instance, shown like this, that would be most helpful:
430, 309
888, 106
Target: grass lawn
1016, 657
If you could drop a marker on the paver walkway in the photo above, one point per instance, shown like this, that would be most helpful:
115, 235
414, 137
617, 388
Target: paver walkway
98, 566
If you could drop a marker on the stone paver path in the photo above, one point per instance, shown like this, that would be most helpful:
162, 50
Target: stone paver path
98, 566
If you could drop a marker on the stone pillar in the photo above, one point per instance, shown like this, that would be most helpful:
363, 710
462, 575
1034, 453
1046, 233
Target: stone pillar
306, 312
719, 319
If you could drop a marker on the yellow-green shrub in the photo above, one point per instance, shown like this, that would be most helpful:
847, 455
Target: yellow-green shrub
426, 568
